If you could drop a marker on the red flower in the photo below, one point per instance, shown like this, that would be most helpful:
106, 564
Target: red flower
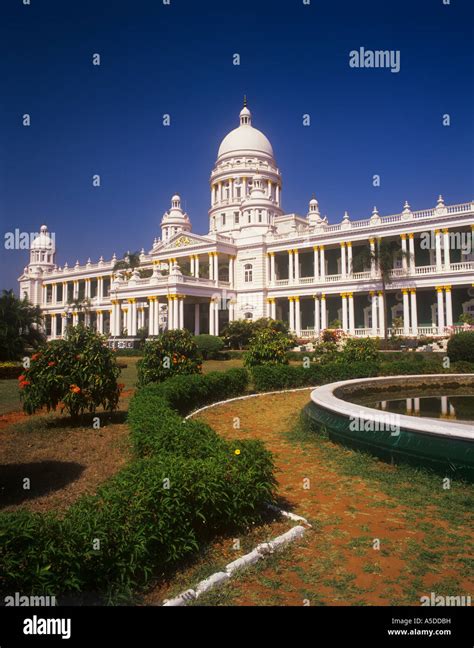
22, 377
75, 389
35, 356
120, 386
51, 364
24, 384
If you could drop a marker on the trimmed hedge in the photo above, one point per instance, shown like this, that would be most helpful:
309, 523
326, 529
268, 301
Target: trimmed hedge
10, 370
268, 378
461, 346
209, 346
185, 485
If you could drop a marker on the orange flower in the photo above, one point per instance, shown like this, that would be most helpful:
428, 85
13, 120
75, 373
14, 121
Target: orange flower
35, 356
121, 386
24, 384
75, 389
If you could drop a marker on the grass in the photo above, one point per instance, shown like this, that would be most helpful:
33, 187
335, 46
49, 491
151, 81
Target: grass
424, 536
9, 396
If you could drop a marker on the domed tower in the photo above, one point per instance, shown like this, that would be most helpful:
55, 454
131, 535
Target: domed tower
245, 178
42, 262
42, 251
174, 220
313, 215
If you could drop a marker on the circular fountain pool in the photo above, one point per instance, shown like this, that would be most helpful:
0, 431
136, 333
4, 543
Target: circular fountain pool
424, 420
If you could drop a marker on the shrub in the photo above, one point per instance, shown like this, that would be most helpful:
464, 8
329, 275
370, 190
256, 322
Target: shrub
359, 350
461, 346
172, 353
267, 347
461, 366
209, 346
237, 334
331, 335
77, 374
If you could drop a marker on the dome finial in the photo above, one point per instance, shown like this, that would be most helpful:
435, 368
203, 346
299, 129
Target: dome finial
245, 101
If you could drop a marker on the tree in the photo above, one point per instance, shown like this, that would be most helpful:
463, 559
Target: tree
267, 347
130, 261
237, 334
383, 256
20, 326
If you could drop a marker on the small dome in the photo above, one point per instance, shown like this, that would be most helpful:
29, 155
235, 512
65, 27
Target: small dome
43, 241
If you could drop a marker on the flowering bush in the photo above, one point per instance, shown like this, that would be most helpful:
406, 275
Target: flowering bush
172, 353
360, 350
267, 347
76, 374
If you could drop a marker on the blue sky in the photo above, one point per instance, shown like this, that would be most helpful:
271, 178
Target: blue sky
177, 59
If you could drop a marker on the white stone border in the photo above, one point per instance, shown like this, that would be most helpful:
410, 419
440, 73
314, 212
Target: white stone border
261, 550
324, 397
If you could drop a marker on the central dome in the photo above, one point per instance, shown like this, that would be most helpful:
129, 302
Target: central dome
245, 138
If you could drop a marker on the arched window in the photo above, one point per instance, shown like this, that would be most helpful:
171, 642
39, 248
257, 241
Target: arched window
248, 315
248, 273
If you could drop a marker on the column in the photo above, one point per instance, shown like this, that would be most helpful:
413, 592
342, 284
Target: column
53, 327
268, 268
156, 316
273, 308
231, 189
272, 268
372, 257
317, 316
269, 189
231, 271
181, 312
176, 311
219, 191
277, 193
65, 292
291, 305
438, 250
75, 291
290, 267
449, 306
216, 267
54, 296
63, 324
87, 290
343, 259
196, 266
75, 318
381, 314
211, 317
244, 187
411, 252
211, 266
191, 265
351, 313
406, 313
373, 295
170, 313
414, 312
151, 312
344, 311
113, 319
297, 265
324, 315
100, 321
100, 289
315, 262
216, 317
447, 252
297, 315
350, 269
404, 252
439, 292
133, 317
323, 263
196, 319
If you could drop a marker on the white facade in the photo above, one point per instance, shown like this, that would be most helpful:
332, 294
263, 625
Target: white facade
257, 261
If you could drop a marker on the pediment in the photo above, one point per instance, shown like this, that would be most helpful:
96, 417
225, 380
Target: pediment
182, 240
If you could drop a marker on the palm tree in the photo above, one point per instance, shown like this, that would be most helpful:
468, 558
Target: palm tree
130, 261
20, 326
384, 255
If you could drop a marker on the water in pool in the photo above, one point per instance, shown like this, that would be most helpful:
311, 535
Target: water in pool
457, 408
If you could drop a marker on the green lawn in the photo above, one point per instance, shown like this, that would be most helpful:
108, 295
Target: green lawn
9, 396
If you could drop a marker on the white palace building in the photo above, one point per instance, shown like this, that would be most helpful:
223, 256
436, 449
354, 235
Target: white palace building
258, 261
